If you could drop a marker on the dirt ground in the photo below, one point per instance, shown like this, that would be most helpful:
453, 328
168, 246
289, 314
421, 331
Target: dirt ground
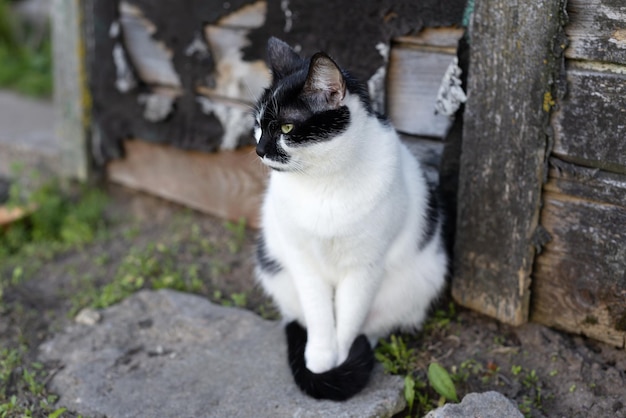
546, 372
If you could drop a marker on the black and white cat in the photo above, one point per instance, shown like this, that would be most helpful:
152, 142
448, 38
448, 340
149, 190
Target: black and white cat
350, 247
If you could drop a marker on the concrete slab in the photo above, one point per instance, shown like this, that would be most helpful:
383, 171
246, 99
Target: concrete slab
171, 354
27, 134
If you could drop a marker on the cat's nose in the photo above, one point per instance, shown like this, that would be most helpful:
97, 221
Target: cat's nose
260, 151
261, 147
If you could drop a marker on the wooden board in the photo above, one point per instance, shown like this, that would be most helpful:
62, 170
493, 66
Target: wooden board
157, 69
413, 81
229, 184
597, 30
503, 160
590, 125
586, 183
72, 100
580, 277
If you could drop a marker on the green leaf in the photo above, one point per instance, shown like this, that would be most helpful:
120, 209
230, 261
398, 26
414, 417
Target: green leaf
57, 413
440, 381
409, 391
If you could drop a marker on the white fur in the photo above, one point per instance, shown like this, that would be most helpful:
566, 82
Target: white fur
344, 219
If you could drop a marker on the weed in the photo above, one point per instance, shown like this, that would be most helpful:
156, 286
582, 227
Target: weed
441, 381
531, 379
239, 300
238, 235
26, 60
395, 356
22, 391
63, 218
441, 318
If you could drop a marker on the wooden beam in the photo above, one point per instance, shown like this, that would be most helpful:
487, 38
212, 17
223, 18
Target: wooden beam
515, 52
229, 184
413, 82
590, 125
72, 100
579, 280
597, 30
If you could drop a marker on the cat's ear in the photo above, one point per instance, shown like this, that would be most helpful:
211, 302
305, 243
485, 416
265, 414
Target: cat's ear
282, 58
325, 82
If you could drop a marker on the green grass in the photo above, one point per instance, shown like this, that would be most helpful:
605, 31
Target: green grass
423, 389
26, 62
22, 393
63, 217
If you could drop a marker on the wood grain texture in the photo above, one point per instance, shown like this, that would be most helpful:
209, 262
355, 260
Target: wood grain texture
512, 64
590, 125
580, 277
229, 184
597, 30
412, 85
220, 47
586, 183
72, 101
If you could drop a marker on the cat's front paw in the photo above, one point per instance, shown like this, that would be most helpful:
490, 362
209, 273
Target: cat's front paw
320, 359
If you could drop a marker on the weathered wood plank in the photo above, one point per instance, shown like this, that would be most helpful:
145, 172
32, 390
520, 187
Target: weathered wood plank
71, 96
229, 184
412, 86
590, 124
445, 38
580, 277
503, 159
220, 48
586, 183
597, 30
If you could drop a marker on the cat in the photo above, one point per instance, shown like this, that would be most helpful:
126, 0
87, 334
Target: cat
350, 246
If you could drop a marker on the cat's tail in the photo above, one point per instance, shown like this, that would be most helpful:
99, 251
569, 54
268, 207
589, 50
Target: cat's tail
338, 384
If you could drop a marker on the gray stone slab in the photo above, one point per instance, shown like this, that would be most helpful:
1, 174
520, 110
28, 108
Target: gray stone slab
170, 354
484, 405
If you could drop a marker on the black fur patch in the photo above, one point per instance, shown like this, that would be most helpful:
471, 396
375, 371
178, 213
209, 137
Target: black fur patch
432, 219
284, 102
320, 127
264, 261
338, 384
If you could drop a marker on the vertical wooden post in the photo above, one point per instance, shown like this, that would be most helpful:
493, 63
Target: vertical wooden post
515, 51
71, 96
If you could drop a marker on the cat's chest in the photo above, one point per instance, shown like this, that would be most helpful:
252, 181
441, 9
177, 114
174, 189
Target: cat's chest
323, 211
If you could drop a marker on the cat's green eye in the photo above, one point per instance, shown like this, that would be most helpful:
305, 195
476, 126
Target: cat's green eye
286, 128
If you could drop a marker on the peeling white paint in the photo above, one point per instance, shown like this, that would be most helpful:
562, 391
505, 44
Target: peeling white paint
383, 50
236, 121
235, 79
376, 89
197, 46
376, 83
157, 106
451, 94
114, 30
284, 6
125, 80
151, 59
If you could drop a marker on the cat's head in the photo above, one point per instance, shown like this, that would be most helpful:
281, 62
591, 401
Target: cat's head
302, 118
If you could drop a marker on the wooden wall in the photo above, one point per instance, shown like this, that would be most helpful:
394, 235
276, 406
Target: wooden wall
185, 73
515, 53
172, 82
579, 280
